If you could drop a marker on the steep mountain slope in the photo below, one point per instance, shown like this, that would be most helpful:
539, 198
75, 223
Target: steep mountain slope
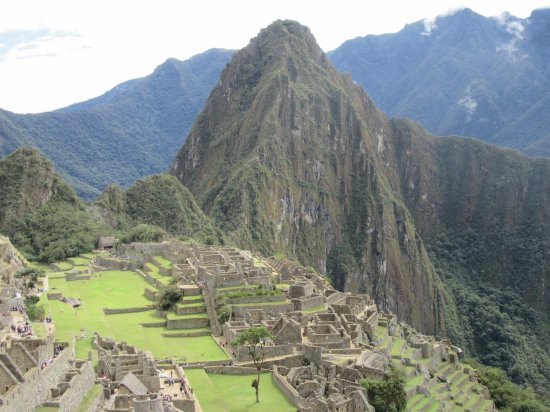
160, 200
28, 181
291, 156
462, 74
129, 132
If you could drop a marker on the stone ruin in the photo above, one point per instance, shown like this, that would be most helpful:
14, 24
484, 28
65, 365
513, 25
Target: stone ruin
325, 342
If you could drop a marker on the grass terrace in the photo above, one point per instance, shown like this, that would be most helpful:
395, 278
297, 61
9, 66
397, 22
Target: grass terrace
79, 261
320, 308
154, 272
162, 261
122, 289
221, 393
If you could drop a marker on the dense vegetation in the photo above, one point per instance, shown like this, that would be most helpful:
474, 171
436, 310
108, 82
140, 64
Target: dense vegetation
508, 396
386, 395
469, 75
131, 131
55, 232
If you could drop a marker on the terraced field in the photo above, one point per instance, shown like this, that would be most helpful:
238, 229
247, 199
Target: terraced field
115, 289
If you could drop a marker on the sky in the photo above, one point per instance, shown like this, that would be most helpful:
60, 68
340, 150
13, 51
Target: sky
57, 52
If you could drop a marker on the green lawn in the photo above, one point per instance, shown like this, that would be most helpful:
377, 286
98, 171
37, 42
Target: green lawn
233, 393
78, 260
121, 289
163, 261
314, 309
64, 265
192, 299
153, 270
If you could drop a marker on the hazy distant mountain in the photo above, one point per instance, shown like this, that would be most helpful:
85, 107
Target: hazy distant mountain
462, 74
131, 131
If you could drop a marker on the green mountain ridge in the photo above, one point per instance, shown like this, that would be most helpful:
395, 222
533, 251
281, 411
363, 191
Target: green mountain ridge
131, 131
291, 156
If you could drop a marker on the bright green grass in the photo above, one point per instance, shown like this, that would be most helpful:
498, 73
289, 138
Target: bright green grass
64, 265
91, 254
79, 260
190, 305
314, 309
163, 261
153, 271
189, 299
283, 286
396, 346
233, 393
118, 289
174, 316
43, 266
283, 302
89, 398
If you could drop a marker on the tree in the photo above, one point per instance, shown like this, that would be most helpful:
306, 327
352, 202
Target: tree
168, 298
254, 340
387, 395
29, 276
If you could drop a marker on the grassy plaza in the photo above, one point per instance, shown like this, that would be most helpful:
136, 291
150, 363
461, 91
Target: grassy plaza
121, 289
217, 392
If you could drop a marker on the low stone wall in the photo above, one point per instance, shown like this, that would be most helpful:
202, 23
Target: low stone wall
230, 370
70, 278
189, 310
151, 294
270, 352
54, 296
309, 302
118, 264
151, 280
257, 299
240, 311
117, 311
288, 390
187, 334
191, 323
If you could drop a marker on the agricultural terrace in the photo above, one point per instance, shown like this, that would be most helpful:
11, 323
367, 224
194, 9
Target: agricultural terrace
117, 289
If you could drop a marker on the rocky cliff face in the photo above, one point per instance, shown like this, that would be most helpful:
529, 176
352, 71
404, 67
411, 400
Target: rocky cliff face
10, 261
290, 155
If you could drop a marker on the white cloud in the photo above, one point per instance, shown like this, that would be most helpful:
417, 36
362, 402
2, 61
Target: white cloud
123, 39
516, 29
429, 26
469, 103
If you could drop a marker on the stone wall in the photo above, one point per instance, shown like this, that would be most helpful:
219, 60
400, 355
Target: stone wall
36, 389
116, 311
270, 352
118, 264
151, 280
309, 302
289, 391
230, 370
151, 294
80, 385
256, 299
191, 323
240, 311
